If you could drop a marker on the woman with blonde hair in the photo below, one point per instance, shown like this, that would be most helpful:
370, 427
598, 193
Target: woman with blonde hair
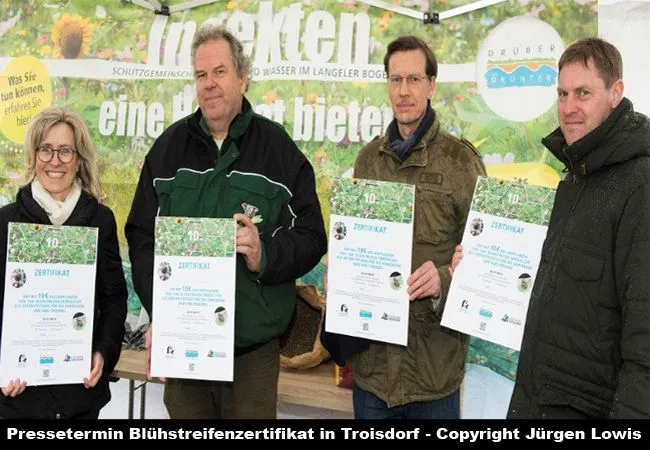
63, 189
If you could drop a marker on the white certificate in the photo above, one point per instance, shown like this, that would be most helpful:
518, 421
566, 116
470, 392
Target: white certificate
502, 244
49, 303
369, 259
194, 298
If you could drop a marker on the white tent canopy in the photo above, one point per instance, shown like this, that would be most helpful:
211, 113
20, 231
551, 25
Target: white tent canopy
626, 24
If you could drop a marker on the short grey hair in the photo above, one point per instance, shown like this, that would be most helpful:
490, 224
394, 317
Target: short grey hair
212, 31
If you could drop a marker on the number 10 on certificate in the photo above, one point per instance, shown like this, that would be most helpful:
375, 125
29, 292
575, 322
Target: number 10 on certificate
371, 231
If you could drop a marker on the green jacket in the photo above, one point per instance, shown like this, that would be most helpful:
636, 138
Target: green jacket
258, 166
444, 171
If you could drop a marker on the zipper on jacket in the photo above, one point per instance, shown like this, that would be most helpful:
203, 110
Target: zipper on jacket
573, 169
209, 143
574, 180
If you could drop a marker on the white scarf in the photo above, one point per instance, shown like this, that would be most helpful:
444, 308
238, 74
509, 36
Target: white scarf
57, 211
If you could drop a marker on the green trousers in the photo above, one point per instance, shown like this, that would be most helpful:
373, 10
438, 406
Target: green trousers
253, 393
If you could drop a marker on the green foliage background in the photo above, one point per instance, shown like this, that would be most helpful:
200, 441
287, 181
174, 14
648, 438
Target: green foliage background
120, 33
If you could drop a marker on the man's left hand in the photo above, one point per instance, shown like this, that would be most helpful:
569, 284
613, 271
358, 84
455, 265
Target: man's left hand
248, 243
424, 282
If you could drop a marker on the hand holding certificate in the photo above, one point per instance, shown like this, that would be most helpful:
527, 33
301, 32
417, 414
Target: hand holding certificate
49, 299
371, 232
194, 298
502, 243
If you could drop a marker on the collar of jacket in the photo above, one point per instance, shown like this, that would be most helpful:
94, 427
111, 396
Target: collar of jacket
419, 156
81, 214
237, 127
624, 135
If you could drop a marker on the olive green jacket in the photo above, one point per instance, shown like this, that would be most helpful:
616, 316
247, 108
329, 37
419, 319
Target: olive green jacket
444, 171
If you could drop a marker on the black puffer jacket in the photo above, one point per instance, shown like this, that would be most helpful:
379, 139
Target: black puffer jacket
72, 400
585, 345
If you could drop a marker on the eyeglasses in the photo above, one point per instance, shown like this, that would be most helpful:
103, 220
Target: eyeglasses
45, 154
411, 80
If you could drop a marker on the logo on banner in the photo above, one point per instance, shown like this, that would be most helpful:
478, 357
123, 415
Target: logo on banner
517, 68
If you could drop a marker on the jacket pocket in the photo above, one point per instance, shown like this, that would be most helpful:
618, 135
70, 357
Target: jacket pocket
566, 405
584, 270
257, 198
581, 267
423, 319
577, 288
434, 215
436, 355
178, 196
363, 363
254, 319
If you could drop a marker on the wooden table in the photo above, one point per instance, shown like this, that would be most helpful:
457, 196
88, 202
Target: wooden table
314, 387
310, 387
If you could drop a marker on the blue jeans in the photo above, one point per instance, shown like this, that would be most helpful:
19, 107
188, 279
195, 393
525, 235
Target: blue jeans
369, 406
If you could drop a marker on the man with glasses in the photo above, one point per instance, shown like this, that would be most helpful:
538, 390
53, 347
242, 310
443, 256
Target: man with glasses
421, 380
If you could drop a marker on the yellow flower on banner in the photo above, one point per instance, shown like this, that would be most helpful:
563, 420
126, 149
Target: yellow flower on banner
231, 5
270, 97
312, 99
71, 36
321, 156
385, 20
105, 54
45, 50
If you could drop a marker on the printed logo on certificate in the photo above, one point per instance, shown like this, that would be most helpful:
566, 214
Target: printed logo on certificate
49, 303
370, 238
194, 298
502, 244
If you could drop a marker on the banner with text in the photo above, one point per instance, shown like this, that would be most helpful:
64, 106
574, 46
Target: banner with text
317, 70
